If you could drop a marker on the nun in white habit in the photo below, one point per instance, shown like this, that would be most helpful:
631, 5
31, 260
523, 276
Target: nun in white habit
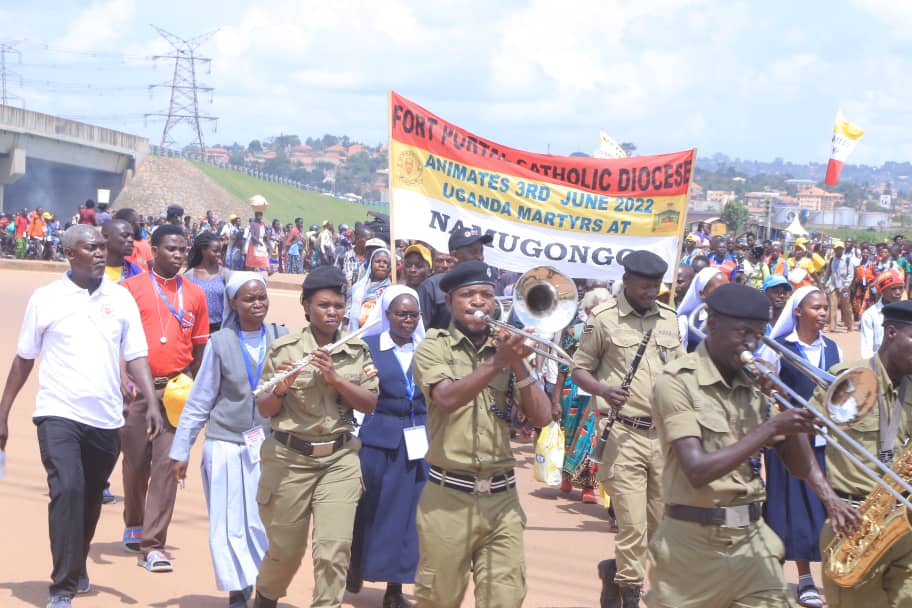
222, 400
706, 281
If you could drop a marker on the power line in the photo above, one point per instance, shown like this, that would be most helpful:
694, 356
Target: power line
7, 49
185, 89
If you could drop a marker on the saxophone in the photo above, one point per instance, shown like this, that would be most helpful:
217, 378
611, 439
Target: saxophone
849, 559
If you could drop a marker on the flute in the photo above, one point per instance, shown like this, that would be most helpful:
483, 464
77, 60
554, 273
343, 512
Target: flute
270, 384
596, 455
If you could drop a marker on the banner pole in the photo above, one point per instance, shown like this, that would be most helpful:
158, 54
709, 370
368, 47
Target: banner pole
389, 135
682, 237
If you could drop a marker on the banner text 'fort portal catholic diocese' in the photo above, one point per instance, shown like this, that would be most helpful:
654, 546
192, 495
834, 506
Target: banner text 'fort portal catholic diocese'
579, 215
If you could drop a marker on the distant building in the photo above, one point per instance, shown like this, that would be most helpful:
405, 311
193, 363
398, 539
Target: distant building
818, 199
720, 197
801, 185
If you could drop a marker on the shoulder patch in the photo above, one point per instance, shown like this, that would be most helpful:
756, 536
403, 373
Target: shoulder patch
587, 329
370, 370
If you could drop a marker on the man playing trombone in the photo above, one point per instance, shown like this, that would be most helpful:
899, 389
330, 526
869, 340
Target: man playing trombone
469, 516
631, 464
884, 432
713, 549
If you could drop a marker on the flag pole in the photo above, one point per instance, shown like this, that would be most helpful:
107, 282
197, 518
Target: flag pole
682, 237
389, 135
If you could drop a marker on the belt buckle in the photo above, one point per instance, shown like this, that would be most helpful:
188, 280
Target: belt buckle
322, 449
482, 486
737, 517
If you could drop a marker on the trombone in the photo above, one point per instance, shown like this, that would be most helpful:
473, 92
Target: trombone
543, 299
850, 396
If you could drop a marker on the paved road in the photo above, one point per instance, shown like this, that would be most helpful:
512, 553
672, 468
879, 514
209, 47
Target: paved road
564, 538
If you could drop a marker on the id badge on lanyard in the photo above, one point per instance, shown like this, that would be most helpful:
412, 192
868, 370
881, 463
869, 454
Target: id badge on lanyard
416, 437
255, 436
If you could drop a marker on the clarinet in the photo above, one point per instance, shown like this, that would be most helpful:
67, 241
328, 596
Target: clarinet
596, 455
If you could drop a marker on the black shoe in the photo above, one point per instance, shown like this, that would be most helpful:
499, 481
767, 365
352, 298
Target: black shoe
611, 596
264, 602
353, 581
396, 600
630, 596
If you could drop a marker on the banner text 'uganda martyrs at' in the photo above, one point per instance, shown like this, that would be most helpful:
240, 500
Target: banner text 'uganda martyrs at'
580, 215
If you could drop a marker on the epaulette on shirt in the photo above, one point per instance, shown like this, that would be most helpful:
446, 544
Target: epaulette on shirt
437, 332
667, 307
612, 303
289, 339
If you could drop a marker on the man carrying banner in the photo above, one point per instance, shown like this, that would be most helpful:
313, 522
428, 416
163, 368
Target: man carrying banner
469, 517
632, 461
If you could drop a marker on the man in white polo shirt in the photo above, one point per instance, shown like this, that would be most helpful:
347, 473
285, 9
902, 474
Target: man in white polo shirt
81, 325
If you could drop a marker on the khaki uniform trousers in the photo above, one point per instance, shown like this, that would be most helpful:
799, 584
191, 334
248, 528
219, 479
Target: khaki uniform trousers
459, 532
697, 566
292, 488
631, 473
150, 489
889, 585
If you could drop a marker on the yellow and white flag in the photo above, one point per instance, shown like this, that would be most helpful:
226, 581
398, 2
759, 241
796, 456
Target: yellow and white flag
608, 148
845, 138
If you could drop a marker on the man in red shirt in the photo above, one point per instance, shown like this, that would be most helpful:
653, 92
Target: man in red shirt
142, 251
176, 323
87, 213
21, 233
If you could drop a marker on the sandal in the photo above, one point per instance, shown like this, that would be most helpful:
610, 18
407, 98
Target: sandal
156, 561
132, 537
809, 596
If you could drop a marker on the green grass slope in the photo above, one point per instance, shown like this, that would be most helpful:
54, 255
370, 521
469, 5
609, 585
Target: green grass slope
287, 203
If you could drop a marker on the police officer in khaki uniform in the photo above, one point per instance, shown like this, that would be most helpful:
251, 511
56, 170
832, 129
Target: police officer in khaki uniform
632, 461
890, 583
310, 464
713, 549
469, 517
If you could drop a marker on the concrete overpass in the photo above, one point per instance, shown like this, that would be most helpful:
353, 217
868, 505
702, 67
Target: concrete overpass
55, 163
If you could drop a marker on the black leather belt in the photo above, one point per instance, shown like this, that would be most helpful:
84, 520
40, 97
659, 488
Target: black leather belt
644, 423
160, 382
728, 517
473, 485
853, 499
309, 448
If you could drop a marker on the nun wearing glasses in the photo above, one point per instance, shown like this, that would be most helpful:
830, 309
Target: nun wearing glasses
394, 440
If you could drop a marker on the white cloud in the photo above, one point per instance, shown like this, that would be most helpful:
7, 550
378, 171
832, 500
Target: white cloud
99, 27
896, 13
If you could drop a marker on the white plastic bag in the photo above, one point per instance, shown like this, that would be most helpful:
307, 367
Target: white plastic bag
549, 455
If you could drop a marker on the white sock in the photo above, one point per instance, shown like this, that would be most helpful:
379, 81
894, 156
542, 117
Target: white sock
806, 580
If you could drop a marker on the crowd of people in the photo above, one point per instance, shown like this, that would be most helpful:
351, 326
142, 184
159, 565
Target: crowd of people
395, 446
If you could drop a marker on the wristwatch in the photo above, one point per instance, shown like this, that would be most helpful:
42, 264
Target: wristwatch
530, 379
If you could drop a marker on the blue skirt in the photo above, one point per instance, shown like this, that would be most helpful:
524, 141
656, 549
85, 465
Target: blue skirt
792, 509
385, 541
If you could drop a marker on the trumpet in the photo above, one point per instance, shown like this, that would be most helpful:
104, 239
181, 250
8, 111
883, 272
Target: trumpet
850, 396
300, 364
545, 300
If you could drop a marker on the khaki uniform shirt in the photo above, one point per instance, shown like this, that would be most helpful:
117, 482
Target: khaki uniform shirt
693, 400
842, 474
609, 342
472, 439
312, 410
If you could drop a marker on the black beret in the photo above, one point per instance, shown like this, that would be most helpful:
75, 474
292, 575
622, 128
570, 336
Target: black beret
740, 302
645, 264
468, 273
898, 312
325, 277
468, 236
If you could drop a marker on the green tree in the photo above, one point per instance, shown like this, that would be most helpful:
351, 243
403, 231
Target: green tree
629, 147
255, 147
735, 216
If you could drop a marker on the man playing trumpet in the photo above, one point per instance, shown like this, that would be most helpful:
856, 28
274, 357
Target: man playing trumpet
631, 464
713, 549
885, 431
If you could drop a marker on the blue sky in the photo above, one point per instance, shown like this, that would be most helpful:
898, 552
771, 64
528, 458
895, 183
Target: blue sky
755, 80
